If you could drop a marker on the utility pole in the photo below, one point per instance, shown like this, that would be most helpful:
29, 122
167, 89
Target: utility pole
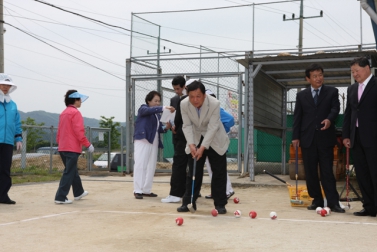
1, 38
301, 18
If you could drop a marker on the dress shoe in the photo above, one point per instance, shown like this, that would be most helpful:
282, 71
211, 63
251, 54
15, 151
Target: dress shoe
184, 208
363, 213
9, 202
313, 207
221, 209
337, 209
138, 196
149, 194
208, 196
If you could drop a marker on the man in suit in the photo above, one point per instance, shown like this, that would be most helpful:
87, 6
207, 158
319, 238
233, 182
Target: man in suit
313, 129
205, 136
360, 132
180, 158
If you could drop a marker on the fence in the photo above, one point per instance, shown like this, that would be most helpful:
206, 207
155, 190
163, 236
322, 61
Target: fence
39, 150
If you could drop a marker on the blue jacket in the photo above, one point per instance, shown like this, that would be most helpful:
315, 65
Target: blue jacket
227, 119
10, 123
146, 124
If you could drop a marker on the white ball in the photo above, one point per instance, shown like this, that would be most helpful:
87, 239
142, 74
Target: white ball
318, 210
237, 213
273, 215
328, 210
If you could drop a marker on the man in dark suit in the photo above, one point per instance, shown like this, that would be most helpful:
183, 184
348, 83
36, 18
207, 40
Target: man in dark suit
180, 158
360, 132
313, 129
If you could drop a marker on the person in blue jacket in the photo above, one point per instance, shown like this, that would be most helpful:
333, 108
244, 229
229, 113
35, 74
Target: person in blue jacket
10, 132
146, 143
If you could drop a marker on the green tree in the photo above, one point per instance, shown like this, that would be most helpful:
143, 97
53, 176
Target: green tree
114, 134
34, 135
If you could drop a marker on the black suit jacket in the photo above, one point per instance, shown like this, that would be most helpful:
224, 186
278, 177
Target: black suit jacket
308, 116
365, 111
178, 122
174, 101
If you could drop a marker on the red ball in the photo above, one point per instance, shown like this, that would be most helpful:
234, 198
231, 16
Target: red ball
253, 214
236, 200
214, 212
179, 221
323, 212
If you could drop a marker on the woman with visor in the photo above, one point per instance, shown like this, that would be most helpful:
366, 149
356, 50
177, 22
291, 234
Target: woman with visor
70, 139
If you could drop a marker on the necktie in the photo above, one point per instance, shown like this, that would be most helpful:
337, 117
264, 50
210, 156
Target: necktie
360, 91
316, 96
359, 94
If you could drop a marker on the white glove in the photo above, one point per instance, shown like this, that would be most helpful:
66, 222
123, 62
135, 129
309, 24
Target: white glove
19, 145
90, 148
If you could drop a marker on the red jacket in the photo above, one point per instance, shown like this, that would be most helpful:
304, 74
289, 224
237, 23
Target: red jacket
71, 132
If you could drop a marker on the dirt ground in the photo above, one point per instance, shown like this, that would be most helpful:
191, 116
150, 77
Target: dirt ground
111, 219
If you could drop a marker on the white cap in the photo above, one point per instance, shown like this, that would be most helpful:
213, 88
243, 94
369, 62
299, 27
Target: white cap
7, 80
209, 92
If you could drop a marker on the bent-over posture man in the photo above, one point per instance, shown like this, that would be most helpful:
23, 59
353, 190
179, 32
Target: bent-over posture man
205, 136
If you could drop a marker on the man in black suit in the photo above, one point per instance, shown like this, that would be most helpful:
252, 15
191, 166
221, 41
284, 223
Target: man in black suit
180, 158
360, 132
313, 129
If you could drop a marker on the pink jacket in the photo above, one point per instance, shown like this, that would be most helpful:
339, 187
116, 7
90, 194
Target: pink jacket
71, 132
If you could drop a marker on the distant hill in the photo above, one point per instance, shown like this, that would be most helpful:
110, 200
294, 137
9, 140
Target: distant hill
52, 119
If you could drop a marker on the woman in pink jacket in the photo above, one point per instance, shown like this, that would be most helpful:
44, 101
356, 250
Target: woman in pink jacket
71, 138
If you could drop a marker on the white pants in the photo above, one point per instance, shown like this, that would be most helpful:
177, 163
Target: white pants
145, 164
229, 188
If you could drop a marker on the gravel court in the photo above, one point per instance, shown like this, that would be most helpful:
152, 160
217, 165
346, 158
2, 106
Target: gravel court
110, 219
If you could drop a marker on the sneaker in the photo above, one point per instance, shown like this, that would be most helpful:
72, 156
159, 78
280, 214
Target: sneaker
82, 195
171, 199
67, 201
208, 196
230, 195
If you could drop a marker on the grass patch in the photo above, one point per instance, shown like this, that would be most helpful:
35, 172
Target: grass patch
34, 174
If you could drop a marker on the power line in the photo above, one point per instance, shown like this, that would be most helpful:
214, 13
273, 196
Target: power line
63, 51
101, 57
56, 23
115, 26
215, 8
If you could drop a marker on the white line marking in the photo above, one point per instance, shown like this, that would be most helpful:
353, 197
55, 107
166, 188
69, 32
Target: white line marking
268, 219
37, 218
189, 216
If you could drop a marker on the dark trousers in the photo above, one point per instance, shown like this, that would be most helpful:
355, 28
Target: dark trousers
365, 160
6, 152
218, 183
70, 176
313, 156
178, 176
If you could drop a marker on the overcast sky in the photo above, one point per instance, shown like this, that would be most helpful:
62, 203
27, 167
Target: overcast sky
51, 51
